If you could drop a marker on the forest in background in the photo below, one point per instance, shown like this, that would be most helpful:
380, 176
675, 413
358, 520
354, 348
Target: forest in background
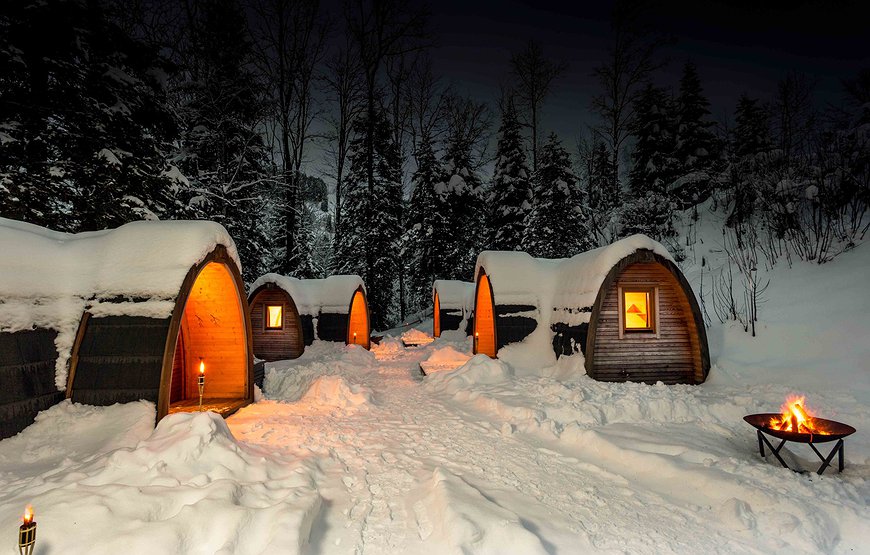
325, 143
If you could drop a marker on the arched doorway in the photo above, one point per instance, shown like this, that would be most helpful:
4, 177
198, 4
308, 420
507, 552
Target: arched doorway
484, 317
211, 335
358, 330
436, 317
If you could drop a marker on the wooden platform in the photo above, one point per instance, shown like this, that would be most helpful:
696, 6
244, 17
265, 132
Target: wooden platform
224, 407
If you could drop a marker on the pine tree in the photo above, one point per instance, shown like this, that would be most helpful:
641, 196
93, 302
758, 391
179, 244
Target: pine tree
426, 233
370, 227
654, 165
749, 141
697, 147
462, 195
84, 125
555, 226
221, 152
510, 197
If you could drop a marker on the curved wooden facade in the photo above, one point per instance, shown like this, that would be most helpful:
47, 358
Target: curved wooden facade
284, 342
126, 358
671, 345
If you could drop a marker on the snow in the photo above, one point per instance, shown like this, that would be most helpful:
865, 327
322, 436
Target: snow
354, 451
455, 294
551, 286
314, 296
415, 336
48, 278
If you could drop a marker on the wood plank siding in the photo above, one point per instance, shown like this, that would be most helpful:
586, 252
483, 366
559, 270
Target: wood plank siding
672, 354
484, 318
276, 344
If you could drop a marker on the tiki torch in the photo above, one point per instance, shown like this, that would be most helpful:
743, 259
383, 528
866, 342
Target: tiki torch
27, 533
354, 339
476, 338
201, 381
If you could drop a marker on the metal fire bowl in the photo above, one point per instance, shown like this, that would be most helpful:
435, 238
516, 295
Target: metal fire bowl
835, 430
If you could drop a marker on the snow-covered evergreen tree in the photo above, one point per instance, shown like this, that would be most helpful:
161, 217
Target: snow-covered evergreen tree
221, 151
654, 162
426, 233
556, 225
511, 189
462, 194
697, 147
750, 141
84, 128
370, 226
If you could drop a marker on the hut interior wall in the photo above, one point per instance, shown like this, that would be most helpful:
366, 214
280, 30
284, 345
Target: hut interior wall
358, 331
280, 344
213, 327
484, 319
27, 371
672, 357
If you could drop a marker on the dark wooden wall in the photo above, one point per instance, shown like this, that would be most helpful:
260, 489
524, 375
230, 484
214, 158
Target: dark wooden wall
332, 326
511, 328
672, 357
27, 372
280, 344
450, 318
120, 359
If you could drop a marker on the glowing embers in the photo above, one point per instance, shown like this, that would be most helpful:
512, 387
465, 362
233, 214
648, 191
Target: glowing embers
274, 317
638, 309
797, 418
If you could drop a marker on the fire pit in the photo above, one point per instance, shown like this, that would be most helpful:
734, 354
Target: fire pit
797, 424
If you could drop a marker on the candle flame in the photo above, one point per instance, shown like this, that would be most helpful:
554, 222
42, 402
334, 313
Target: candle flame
201, 366
28, 515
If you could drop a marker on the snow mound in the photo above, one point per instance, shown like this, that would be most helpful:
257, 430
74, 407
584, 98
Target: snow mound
290, 380
416, 337
387, 347
443, 358
455, 336
458, 516
480, 369
189, 487
335, 391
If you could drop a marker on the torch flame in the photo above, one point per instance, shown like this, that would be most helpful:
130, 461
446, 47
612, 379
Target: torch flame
796, 418
201, 366
28, 515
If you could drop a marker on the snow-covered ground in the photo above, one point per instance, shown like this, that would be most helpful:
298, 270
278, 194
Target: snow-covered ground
353, 451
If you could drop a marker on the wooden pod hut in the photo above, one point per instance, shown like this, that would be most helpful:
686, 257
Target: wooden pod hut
121, 315
288, 313
453, 306
626, 308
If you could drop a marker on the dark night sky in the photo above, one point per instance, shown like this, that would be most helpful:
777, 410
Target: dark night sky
737, 46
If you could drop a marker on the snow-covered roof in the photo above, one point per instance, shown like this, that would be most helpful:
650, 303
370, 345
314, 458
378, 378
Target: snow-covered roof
557, 290
454, 294
48, 278
313, 296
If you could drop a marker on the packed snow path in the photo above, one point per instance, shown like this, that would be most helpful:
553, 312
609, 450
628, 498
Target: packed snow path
406, 470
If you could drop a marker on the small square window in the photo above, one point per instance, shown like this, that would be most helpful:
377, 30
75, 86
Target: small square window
274, 317
638, 309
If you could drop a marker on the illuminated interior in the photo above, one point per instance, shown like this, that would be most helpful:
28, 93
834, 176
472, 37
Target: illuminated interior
638, 307
484, 323
358, 331
212, 336
436, 324
274, 317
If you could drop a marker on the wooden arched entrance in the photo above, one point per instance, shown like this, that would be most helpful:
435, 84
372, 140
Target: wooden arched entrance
358, 328
484, 317
436, 317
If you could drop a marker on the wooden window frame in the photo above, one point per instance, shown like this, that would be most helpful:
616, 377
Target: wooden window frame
266, 326
653, 330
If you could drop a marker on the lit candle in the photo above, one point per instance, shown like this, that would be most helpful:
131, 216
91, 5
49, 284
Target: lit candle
201, 380
354, 338
27, 532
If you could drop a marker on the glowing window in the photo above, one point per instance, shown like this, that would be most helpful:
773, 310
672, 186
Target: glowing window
638, 309
274, 317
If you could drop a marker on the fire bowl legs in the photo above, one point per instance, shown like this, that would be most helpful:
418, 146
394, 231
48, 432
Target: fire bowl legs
826, 460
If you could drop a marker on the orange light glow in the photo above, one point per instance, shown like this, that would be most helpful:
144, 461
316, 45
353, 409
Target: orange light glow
28, 515
274, 317
796, 418
201, 366
637, 305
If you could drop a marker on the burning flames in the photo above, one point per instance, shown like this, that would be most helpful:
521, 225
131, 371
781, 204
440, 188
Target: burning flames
28, 515
796, 417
